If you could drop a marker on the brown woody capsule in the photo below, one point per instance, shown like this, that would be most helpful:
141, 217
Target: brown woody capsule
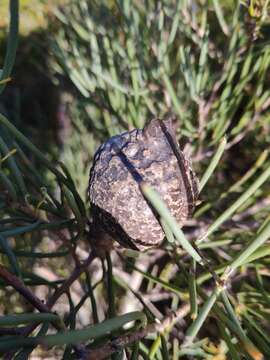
119, 208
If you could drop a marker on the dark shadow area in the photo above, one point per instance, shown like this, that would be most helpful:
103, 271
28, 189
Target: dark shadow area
32, 99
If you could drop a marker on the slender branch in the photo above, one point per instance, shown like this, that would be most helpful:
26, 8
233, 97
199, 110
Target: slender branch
17, 284
60, 291
73, 277
123, 341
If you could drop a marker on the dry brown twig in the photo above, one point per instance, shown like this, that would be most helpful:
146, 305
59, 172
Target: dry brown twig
17, 284
123, 341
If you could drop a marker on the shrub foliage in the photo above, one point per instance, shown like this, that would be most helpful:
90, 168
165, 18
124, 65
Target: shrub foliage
205, 292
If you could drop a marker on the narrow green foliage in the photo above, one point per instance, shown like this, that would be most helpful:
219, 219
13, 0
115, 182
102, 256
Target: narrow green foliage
213, 164
19, 319
11, 44
193, 330
239, 202
161, 208
120, 64
76, 336
251, 248
6, 249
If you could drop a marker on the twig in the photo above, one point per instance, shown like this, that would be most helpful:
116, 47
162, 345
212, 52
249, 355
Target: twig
17, 284
61, 290
73, 277
123, 341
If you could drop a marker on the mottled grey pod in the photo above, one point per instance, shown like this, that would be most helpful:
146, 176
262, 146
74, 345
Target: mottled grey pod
118, 206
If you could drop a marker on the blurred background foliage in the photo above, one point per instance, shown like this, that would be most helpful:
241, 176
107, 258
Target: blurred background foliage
34, 14
131, 61
87, 70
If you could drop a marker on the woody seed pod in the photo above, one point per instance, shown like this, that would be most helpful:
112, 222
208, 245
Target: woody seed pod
152, 155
